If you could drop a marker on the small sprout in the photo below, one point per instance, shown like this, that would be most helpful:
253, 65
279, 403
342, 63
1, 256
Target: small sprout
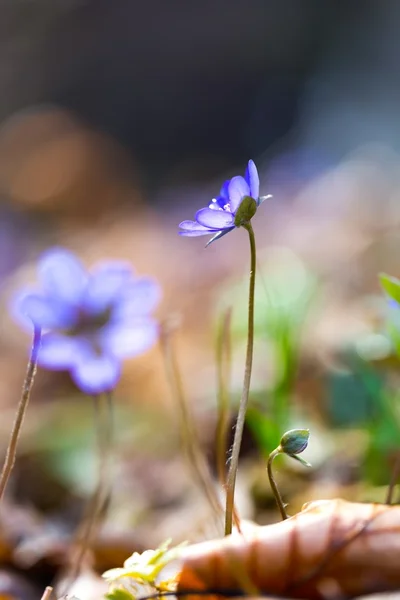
292, 443
142, 570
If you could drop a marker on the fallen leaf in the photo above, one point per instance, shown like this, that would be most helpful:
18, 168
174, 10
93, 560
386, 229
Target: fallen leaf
331, 549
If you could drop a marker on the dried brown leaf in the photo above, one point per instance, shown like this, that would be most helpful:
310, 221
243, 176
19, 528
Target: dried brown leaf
332, 549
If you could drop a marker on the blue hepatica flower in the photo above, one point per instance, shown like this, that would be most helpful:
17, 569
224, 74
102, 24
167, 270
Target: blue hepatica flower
219, 217
93, 320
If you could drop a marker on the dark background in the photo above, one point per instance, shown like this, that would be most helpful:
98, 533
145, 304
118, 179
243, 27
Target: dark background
178, 81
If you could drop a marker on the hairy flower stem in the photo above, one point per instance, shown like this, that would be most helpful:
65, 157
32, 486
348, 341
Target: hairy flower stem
274, 487
21, 410
237, 441
223, 372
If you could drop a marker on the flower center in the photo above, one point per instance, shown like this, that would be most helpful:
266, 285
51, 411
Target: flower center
89, 324
215, 204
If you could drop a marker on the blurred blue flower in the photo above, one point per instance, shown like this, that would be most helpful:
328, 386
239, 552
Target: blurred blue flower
93, 320
219, 217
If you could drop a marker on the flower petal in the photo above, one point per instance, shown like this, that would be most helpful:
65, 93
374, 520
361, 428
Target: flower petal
253, 180
195, 233
261, 199
238, 189
59, 352
32, 307
224, 193
138, 298
94, 374
215, 220
62, 275
128, 340
192, 229
223, 198
105, 284
219, 235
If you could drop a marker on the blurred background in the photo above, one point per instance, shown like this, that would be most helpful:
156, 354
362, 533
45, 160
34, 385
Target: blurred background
120, 119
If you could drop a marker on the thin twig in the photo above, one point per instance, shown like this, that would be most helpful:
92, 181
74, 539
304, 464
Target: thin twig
190, 438
21, 410
47, 593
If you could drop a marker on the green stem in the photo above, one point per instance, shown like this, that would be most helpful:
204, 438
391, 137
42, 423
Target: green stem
21, 410
393, 480
274, 487
237, 441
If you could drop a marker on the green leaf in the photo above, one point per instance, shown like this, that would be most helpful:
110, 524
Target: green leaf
300, 459
391, 285
119, 593
147, 566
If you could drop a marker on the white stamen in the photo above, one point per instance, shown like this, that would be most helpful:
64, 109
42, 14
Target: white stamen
214, 205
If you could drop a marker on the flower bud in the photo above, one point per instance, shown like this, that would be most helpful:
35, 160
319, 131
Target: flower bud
246, 211
294, 441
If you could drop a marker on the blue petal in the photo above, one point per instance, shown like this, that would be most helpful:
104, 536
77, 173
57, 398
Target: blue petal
261, 199
193, 229
194, 233
138, 298
96, 373
215, 220
33, 307
224, 193
63, 276
218, 235
253, 180
129, 339
238, 189
59, 352
106, 282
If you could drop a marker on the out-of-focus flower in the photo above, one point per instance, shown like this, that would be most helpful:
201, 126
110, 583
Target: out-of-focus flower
93, 320
223, 215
